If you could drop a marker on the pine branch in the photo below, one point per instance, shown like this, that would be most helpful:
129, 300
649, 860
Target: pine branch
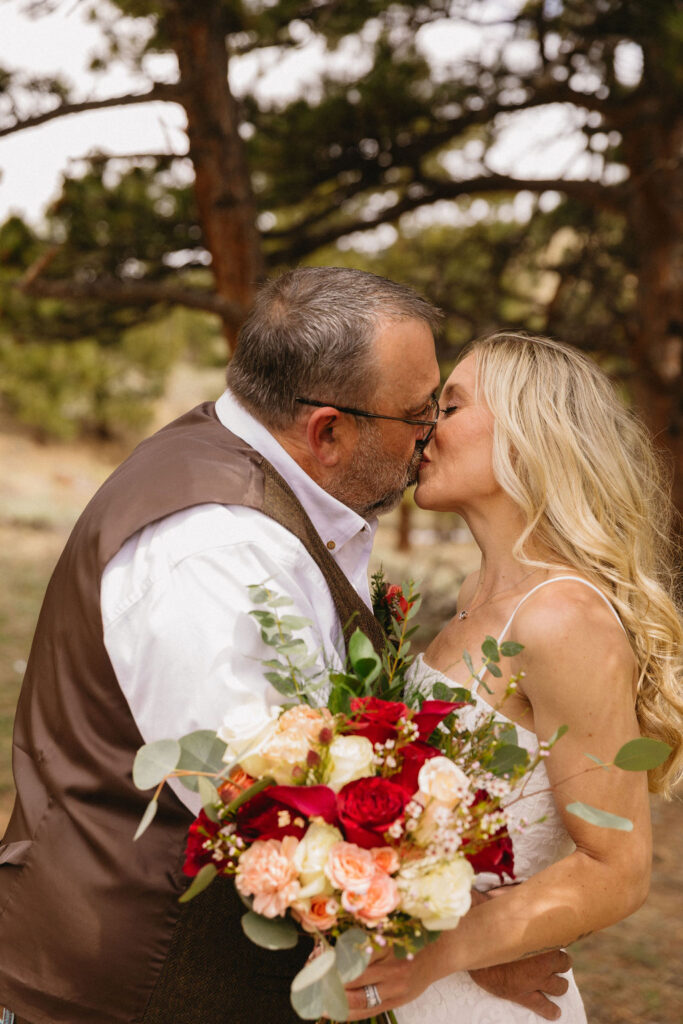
131, 293
429, 190
168, 92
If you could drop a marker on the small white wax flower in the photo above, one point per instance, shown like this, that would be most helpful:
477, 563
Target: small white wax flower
442, 780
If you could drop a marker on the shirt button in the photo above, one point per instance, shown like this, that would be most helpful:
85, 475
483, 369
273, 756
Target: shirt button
331, 545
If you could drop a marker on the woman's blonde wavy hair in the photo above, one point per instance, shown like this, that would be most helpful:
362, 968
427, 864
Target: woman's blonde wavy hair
583, 470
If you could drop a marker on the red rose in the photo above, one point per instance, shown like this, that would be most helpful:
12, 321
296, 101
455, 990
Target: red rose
496, 857
284, 811
376, 719
367, 808
201, 829
414, 756
432, 712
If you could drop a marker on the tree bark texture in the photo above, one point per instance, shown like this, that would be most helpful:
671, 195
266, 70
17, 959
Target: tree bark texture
225, 201
654, 150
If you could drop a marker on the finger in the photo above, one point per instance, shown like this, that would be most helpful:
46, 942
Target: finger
557, 961
554, 986
540, 1005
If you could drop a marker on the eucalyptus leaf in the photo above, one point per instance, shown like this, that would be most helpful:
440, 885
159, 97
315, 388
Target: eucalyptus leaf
294, 622
507, 758
467, 658
264, 618
201, 751
509, 648
270, 932
494, 670
280, 602
641, 754
594, 816
154, 762
558, 734
200, 882
352, 954
257, 593
309, 991
489, 649
147, 818
208, 794
281, 682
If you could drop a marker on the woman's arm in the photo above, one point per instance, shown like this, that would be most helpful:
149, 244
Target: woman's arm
578, 671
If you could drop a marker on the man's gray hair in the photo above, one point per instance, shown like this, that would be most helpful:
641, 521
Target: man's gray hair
310, 335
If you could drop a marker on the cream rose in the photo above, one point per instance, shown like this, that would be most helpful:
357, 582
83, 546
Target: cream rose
245, 730
442, 780
437, 892
350, 758
311, 858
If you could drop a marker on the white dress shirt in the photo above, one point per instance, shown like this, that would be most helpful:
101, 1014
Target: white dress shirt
175, 604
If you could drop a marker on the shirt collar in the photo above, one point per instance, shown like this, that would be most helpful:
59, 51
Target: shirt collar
335, 522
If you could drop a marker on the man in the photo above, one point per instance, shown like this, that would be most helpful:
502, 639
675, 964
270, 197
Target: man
145, 633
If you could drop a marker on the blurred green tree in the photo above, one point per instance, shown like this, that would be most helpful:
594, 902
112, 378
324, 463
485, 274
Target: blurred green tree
382, 136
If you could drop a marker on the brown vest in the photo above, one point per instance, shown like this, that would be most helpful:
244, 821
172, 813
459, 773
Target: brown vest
91, 931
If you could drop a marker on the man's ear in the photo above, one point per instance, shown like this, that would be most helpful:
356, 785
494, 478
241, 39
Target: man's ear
326, 435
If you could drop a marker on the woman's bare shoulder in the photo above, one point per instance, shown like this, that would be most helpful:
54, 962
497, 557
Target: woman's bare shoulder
570, 619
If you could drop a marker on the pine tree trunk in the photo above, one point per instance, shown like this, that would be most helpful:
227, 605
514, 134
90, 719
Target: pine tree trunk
656, 217
225, 201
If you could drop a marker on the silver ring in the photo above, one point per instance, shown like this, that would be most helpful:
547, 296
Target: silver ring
371, 996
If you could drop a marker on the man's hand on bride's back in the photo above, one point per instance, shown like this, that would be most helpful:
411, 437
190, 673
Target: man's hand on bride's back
529, 982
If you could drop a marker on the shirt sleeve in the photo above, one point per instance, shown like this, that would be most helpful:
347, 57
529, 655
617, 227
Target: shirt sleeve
177, 624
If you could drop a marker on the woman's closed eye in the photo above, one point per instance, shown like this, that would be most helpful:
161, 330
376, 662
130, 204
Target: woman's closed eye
448, 410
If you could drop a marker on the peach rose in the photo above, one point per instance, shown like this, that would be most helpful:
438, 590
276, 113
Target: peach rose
318, 914
386, 859
372, 906
350, 867
296, 732
267, 872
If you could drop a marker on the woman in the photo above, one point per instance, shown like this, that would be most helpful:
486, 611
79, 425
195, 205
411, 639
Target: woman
559, 487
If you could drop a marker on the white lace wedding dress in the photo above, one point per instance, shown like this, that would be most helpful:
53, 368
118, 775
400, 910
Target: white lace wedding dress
457, 999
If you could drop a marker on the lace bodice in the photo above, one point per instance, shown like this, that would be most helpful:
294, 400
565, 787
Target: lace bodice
536, 843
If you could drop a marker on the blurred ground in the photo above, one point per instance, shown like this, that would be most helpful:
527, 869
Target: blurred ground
629, 974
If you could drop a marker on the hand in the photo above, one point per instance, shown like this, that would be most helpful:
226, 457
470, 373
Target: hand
397, 982
526, 981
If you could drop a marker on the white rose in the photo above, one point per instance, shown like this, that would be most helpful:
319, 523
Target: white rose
442, 780
311, 857
350, 758
437, 892
246, 728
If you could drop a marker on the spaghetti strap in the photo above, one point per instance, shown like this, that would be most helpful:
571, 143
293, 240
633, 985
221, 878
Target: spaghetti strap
545, 583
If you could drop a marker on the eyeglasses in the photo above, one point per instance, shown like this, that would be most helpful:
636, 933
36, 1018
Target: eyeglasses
432, 404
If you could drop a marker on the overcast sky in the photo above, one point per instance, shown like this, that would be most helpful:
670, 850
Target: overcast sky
32, 161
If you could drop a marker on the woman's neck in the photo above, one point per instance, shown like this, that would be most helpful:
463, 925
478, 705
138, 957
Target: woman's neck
496, 532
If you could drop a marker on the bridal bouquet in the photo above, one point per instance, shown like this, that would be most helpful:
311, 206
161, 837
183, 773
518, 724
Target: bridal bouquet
343, 812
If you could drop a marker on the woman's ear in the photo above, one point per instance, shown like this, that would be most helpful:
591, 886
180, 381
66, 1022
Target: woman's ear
326, 434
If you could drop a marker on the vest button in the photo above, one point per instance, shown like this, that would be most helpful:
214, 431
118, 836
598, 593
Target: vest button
331, 545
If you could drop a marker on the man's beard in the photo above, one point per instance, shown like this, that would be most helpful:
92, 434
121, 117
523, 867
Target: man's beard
375, 482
